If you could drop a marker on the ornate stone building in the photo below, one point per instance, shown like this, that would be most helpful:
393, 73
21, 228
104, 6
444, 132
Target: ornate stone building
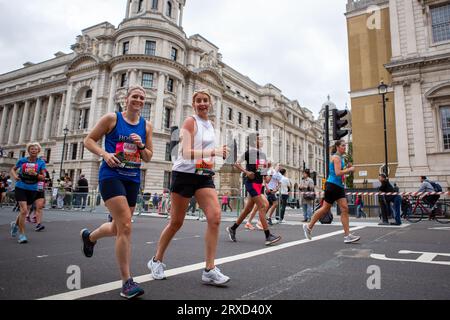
406, 43
148, 48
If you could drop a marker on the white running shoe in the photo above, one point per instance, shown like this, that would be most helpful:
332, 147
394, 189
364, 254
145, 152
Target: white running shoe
307, 232
157, 269
214, 277
351, 238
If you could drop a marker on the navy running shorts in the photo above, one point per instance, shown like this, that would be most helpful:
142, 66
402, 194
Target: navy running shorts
187, 184
111, 188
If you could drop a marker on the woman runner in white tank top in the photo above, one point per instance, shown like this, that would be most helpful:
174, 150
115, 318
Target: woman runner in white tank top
192, 175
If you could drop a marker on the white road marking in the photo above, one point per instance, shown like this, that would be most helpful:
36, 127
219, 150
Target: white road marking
44, 256
83, 293
177, 239
425, 257
439, 228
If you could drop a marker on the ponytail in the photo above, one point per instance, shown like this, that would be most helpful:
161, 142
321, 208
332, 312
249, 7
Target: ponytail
333, 149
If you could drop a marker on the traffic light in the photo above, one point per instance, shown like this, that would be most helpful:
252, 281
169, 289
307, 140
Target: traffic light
338, 133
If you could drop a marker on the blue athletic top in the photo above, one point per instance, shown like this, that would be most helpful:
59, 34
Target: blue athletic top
28, 172
333, 178
118, 141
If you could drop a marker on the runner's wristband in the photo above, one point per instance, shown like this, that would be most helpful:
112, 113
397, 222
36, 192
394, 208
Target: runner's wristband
143, 148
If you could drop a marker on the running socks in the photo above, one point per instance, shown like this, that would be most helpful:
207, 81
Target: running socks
267, 233
235, 226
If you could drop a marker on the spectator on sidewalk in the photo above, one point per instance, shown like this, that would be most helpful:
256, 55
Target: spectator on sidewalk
307, 185
387, 200
359, 205
285, 185
82, 191
226, 202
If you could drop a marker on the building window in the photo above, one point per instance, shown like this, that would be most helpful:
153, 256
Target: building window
147, 111
167, 117
169, 9
11, 154
48, 153
167, 178
23, 154
88, 94
85, 122
249, 122
230, 114
123, 80
147, 80
240, 117
126, 47
168, 152
170, 85
257, 125
174, 54
140, 7
445, 116
74, 151
150, 48
81, 150
440, 22
154, 4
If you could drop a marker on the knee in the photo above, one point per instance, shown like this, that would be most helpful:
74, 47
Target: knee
124, 228
214, 220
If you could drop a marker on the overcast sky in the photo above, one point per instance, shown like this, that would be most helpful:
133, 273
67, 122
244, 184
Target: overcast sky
299, 46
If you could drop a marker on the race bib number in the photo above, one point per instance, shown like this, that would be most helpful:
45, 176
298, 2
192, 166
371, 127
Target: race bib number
128, 154
29, 172
40, 186
261, 167
204, 167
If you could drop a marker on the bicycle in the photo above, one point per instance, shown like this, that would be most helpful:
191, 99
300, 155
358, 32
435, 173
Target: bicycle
417, 210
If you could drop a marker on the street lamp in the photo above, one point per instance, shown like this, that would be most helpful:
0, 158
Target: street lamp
382, 90
66, 131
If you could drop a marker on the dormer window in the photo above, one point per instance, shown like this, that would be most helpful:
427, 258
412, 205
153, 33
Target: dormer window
140, 6
169, 9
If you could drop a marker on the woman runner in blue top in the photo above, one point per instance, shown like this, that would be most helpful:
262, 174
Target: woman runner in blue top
335, 192
128, 140
28, 172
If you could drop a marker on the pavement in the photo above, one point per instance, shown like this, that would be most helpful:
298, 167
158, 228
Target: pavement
389, 262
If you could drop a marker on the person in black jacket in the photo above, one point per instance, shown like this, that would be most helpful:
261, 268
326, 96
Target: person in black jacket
386, 200
82, 191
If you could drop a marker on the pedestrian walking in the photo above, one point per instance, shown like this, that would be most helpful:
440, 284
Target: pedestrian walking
308, 196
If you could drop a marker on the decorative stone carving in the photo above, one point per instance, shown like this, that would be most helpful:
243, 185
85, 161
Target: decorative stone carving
86, 45
208, 60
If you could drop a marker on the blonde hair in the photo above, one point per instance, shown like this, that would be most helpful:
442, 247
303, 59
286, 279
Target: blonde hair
204, 91
34, 144
132, 88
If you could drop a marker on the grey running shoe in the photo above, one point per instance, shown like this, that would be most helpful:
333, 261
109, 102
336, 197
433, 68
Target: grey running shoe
157, 269
214, 277
231, 234
272, 239
351, 238
307, 232
39, 227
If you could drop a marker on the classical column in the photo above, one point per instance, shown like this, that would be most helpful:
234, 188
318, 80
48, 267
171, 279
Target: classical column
180, 22
23, 125
411, 39
179, 109
112, 93
37, 113
133, 78
48, 119
395, 33
94, 105
67, 110
127, 15
13, 127
401, 129
61, 113
420, 150
3, 123
159, 112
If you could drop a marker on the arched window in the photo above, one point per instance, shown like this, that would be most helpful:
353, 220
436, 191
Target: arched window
169, 9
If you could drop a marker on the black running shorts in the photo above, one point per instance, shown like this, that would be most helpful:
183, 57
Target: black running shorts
186, 184
27, 196
333, 192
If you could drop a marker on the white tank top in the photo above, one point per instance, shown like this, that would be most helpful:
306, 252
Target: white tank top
205, 138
